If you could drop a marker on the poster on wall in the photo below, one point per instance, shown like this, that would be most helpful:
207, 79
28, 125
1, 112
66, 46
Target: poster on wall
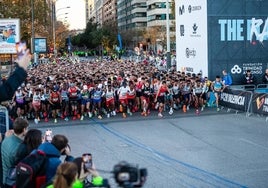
9, 35
191, 36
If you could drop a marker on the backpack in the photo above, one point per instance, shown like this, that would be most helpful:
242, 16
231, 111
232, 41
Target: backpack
31, 171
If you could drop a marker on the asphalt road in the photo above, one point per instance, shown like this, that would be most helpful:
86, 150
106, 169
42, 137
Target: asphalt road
184, 150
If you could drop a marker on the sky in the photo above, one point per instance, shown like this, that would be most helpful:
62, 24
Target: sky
76, 13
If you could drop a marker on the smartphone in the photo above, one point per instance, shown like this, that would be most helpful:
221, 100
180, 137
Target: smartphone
48, 135
21, 48
87, 159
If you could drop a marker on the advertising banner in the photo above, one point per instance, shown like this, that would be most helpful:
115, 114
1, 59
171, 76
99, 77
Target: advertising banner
191, 36
237, 38
9, 35
40, 45
260, 103
235, 99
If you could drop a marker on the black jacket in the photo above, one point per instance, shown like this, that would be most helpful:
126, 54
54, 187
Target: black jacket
265, 79
8, 88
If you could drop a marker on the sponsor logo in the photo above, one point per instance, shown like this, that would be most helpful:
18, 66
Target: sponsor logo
181, 10
194, 33
236, 70
194, 28
190, 53
187, 69
182, 30
193, 8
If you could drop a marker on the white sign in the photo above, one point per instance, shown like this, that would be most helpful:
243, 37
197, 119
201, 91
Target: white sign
191, 36
9, 35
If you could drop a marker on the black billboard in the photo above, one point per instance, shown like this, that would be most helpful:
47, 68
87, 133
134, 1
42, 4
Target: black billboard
237, 38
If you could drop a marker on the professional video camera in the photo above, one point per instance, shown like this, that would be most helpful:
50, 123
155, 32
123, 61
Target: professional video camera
127, 175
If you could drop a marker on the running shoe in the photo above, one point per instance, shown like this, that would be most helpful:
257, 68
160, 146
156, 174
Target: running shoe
197, 112
124, 115
218, 109
82, 118
55, 120
74, 117
46, 119
202, 109
160, 115
89, 114
99, 117
170, 111
66, 119
108, 115
36, 121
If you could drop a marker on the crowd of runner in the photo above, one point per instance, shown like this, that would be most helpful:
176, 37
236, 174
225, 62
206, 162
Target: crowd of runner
75, 90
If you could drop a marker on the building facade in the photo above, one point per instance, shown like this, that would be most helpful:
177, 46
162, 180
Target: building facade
131, 14
110, 12
90, 11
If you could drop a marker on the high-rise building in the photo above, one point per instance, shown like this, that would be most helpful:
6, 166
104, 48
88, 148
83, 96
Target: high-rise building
156, 13
90, 11
131, 14
110, 12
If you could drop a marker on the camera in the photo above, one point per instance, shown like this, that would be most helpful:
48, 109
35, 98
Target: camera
127, 175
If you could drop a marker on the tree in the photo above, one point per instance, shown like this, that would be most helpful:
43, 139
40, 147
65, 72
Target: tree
22, 9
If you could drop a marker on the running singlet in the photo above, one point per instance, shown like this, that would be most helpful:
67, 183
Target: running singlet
198, 90
138, 87
97, 95
146, 91
186, 89
85, 95
73, 92
123, 92
162, 91
64, 95
175, 89
217, 86
19, 97
36, 99
109, 95
54, 97
131, 94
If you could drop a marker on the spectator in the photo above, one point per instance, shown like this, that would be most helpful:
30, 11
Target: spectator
226, 79
8, 88
65, 176
54, 150
248, 78
32, 140
11, 144
265, 77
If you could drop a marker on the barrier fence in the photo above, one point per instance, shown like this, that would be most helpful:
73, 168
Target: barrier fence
4, 120
247, 101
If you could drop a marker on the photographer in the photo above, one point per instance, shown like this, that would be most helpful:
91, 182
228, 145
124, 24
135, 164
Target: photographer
58, 146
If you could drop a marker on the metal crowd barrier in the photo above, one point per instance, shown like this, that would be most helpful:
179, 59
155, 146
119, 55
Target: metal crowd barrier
4, 119
249, 87
237, 99
261, 88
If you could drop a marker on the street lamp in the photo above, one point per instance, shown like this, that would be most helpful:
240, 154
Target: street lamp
168, 36
54, 18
